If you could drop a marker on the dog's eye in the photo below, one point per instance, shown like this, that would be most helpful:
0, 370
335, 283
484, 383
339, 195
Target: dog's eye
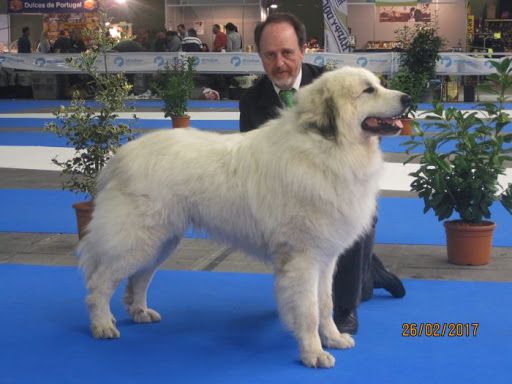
369, 90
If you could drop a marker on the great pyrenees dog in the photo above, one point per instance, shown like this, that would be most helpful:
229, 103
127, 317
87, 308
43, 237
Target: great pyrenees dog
295, 193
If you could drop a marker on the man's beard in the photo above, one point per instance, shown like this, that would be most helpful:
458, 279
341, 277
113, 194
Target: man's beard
284, 83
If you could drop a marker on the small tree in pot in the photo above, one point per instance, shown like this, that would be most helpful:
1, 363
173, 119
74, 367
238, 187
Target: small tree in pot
420, 46
464, 178
174, 86
92, 130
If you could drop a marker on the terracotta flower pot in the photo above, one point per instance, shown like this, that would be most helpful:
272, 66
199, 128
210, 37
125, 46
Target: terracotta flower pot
180, 121
408, 129
469, 244
83, 216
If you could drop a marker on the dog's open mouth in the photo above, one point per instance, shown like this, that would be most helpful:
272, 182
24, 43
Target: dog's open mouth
378, 126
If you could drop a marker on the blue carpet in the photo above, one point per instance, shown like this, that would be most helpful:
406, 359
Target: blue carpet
50, 211
394, 144
13, 106
463, 106
223, 328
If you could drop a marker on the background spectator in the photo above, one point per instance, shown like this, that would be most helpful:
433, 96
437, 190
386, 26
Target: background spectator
172, 41
44, 45
77, 42
234, 39
181, 31
191, 43
24, 45
219, 44
160, 43
63, 44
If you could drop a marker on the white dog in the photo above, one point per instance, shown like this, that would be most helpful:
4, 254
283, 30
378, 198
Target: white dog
296, 193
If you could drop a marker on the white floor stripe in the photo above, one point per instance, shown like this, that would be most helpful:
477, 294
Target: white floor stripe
40, 158
396, 175
140, 115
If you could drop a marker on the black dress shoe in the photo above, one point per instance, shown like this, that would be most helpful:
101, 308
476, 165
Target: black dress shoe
346, 321
382, 278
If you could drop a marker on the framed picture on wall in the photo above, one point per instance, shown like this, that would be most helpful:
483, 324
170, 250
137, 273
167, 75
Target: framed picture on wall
420, 13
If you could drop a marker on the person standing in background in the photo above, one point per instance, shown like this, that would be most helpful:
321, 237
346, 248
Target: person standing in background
181, 31
191, 43
63, 44
172, 41
44, 44
24, 45
234, 39
220, 41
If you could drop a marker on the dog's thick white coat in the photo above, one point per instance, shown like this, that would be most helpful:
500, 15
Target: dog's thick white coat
296, 193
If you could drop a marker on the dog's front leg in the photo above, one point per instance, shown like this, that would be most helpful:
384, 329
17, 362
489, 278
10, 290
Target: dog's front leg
331, 337
297, 277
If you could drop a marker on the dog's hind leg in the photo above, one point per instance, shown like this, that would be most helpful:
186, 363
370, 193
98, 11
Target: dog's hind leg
135, 297
101, 285
296, 284
331, 337
107, 256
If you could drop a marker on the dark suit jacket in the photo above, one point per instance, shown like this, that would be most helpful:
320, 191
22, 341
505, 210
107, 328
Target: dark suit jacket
261, 103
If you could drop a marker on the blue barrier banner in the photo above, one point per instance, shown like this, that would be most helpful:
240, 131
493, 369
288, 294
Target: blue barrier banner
451, 63
51, 6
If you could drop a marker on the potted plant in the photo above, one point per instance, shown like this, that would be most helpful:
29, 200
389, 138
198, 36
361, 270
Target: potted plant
91, 130
420, 46
460, 166
174, 86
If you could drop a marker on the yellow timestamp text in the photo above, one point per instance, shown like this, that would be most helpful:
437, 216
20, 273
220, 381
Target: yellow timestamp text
439, 329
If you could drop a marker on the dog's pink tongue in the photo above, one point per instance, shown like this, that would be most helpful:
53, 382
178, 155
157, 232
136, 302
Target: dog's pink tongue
395, 122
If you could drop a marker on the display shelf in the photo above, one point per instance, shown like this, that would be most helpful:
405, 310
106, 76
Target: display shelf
499, 25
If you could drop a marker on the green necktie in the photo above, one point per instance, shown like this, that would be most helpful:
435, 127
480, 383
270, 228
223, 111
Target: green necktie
287, 97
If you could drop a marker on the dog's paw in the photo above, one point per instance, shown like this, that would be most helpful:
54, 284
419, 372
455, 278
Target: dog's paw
321, 359
340, 341
105, 330
144, 315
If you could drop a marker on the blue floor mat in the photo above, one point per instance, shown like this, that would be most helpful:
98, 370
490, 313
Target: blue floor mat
224, 328
50, 211
21, 105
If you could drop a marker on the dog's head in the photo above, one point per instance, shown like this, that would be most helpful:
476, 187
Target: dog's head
351, 102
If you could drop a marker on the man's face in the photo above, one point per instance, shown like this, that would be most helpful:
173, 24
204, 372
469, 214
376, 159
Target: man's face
215, 30
280, 54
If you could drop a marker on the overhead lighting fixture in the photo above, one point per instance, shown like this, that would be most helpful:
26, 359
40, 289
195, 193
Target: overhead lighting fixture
274, 6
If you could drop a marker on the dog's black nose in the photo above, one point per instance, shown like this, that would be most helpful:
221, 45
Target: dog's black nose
406, 100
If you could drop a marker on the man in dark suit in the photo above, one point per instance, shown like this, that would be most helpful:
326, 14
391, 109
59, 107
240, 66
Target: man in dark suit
280, 41
24, 45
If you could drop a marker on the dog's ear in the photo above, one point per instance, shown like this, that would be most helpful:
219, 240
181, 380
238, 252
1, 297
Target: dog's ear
326, 125
317, 109
324, 121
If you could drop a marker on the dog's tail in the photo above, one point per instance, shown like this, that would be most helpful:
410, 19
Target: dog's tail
87, 260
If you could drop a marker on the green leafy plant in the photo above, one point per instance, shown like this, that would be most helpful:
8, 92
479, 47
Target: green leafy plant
420, 47
92, 130
464, 178
174, 85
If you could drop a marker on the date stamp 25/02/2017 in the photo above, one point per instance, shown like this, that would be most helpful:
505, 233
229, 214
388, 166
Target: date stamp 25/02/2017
440, 329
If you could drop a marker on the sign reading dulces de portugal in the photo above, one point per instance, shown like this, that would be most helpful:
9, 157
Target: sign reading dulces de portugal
51, 6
